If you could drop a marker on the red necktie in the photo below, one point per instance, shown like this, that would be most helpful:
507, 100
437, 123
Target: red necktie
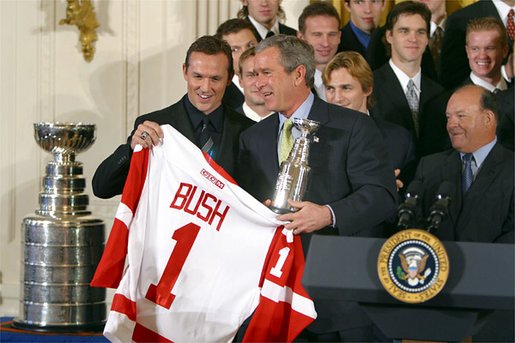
510, 27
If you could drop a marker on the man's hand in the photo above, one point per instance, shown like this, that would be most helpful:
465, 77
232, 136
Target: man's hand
398, 182
310, 217
147, 134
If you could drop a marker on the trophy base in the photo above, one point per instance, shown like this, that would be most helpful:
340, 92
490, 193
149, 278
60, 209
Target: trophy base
280, 210
62, 329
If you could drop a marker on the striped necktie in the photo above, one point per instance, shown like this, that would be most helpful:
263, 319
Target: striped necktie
467, 177
412, 97
205, 140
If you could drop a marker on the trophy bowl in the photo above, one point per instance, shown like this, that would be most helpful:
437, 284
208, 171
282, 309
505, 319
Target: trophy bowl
64, 138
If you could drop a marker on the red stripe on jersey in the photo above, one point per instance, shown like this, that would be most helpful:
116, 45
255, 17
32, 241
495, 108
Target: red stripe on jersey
142, 334
109, 271
135, 179
125, 306
110, 268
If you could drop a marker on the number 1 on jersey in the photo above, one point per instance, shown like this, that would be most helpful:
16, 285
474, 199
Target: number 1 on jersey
161, 294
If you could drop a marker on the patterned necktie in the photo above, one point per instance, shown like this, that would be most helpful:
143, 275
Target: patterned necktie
510, 27
205, 140
270, 34
412, 97
435, 44
468, 176
286, 141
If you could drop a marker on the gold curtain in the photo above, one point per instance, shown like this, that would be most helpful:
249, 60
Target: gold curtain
452, 5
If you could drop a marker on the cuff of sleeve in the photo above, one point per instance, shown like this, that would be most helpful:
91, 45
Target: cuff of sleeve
332, 215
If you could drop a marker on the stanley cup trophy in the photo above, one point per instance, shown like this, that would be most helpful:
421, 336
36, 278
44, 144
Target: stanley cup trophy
293, 176
62, 243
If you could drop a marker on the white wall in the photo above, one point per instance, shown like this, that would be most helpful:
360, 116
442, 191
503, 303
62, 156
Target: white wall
136, 69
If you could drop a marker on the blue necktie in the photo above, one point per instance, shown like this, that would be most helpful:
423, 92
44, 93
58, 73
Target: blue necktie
468, 176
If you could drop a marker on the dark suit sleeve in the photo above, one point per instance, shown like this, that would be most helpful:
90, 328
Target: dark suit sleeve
373, 198
110, 176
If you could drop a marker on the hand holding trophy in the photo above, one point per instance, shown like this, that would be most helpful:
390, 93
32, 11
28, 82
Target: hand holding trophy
293, 176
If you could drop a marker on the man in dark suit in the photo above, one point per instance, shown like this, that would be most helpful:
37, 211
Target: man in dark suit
454, 66
349, 83
401, 90
486, 47
319, 25
378, 52
352, 187
240, 35
481, 207
265, 15
199, 116
364, 18
483, 210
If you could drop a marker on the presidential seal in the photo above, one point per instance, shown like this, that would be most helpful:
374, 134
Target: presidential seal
413, 266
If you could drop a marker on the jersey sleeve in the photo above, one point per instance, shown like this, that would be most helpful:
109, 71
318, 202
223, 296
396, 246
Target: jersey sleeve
109, 271
285, 307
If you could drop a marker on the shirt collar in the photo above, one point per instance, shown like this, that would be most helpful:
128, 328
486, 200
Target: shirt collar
482, 153
262, 30
480, 82
301, 112
236, 81
503, 9
319, 85
216, 117
433, 27
404, 79
251, 114
362, 36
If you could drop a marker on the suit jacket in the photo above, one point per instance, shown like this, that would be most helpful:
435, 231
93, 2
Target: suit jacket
390, 103
349, 41
506, 124
111, 174
233, 97
485, 213
454, 66
349, 172
398, 142
378, 55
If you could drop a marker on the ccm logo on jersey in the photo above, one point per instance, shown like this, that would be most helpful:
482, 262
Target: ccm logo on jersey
213, 179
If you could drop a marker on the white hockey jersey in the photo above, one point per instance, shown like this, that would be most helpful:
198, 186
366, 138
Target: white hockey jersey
202, 256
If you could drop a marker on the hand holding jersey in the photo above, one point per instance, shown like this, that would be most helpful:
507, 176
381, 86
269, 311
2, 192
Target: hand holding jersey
147, 134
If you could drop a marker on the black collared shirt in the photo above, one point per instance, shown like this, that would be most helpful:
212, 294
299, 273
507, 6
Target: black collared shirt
216, 122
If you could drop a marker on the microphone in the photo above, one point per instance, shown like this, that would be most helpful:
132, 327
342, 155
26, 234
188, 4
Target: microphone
407, 210
440, 209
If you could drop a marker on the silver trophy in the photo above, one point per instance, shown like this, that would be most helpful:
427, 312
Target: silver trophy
62, 243
293, 176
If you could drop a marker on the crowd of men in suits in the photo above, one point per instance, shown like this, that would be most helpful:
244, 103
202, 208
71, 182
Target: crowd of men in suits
425, 96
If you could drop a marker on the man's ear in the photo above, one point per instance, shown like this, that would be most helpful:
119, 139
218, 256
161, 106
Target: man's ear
388, 35
184, 70
489, 118
300, 74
